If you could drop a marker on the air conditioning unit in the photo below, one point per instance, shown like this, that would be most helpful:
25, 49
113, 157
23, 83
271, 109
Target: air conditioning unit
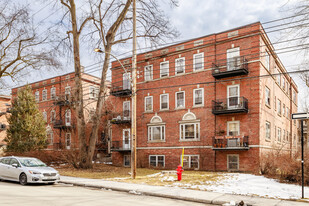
125, 118
118, 117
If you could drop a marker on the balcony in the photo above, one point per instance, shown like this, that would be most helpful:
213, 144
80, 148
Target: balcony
122, 119
119, 91
230, 106
121, 146
61, 124
230, 143
230, 68
63, 100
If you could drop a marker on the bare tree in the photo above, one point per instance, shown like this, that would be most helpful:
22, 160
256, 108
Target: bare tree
21, 47
112, 22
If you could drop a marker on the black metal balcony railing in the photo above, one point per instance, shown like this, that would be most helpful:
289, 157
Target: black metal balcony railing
120, 146
230, 67
61, 124
63, 100
119, 91
231, 143
124, 118
230, 105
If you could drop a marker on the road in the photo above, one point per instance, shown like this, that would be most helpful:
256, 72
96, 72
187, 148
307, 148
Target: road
60, 194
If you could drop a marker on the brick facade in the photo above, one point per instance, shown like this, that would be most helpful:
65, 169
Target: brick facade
225, 128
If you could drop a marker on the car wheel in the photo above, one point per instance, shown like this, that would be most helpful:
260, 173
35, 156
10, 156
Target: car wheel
23, 179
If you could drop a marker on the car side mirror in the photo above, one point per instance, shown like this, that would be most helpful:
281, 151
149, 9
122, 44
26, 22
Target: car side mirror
15, 165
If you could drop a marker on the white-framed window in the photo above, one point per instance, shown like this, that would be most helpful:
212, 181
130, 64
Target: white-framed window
233, 93
126, 81
156, 133
294, 96
37, 96
157, 161
164, 101
233, 162
283, 83
126, 110
279, 78
267, 60
198, 97
50, 136
164, 69
180, 65
45, 116
283, 110
68, 140
180, 99
68, 117
148, 71
268, 133
279, 134
190, 131
148, 104
191, 161
267, 96
283, 135
275, 133
67, 92
233, 128
279, 106
52, 116
127, 160
53, 93
44, 95
198, 61
93, 92
233, 59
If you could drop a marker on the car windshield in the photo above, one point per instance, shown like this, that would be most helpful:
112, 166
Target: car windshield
32, 162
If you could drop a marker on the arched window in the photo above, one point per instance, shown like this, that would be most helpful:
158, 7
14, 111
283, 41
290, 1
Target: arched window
156, 129
50, 135
68, 117
45, 116
189, 127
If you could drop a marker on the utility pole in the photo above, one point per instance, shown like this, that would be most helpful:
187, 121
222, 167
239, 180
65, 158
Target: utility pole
133, 120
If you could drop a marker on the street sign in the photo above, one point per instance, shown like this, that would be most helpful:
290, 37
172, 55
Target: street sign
300, 116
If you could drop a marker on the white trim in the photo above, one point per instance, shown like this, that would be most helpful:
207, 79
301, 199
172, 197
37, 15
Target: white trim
69, 116
194, 59
123, 109
190, 156
267, 122
126, 80
150, 133
184, 65
66, 137
44, 97
228, 127
184, 100
146, 104
196, 131
157, 160
228, 95
37, 96
151, 72
53, 93
168, 69
202, 97
168, 103
67, 91
227, 159
126, 146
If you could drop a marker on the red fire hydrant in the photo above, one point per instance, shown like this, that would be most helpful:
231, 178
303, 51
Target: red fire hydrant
179, 172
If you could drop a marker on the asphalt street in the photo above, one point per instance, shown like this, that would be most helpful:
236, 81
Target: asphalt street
60, 194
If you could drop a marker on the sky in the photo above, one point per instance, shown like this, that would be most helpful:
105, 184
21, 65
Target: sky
193, 18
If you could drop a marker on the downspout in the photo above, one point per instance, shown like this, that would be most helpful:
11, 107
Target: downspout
215, 97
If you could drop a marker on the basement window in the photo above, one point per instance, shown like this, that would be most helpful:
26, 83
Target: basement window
157, 161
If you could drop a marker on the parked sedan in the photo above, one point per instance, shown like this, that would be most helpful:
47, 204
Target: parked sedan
27, 170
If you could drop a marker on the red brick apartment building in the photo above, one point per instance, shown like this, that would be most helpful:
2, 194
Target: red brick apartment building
55, 98
5, 104
225, 98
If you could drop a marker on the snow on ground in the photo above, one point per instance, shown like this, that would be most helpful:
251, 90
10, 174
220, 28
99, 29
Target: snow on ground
247, 184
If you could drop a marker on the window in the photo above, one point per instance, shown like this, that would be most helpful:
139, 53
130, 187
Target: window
127, 160
283, 83
53, 93
68, 117
148, 72
50, 136
45, 116
93, 92
275, 104
164, 101
52, 116
190, 161
275, 133
294, 96
279, 134
283, 110
198, 61
164, 69
156, 133
126, 110
233, 96
267, 61
287, 113
268, 137
283, 135
279, 107
126, 81
37, 96
180, 100
233, 128
44, 95
267, 96
233, 59
148, 104
198, 97
190, 131
232, 162
180, 66
156, 160
279, 78
287, 136
67, 93
68, 140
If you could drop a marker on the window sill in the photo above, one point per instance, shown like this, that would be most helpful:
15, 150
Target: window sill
189, 140
267, 105
179, 108
148, 111
155, 141
198, 106
164, 110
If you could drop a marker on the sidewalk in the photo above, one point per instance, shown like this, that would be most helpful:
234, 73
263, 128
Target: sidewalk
177, 193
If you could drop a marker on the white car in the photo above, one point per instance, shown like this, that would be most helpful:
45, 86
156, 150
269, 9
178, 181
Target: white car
27, 170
